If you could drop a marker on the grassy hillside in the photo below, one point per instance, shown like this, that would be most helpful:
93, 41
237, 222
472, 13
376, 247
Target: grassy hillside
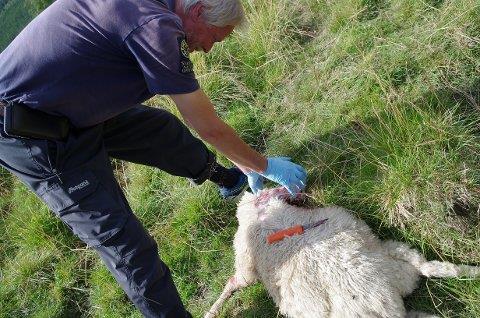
378, 99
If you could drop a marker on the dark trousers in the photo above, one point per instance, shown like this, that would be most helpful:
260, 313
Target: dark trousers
75, 179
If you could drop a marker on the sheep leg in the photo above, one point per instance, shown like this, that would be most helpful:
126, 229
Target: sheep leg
403, 252
233, 284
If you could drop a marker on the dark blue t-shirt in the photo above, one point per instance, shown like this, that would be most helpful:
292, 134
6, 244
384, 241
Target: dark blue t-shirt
90, 60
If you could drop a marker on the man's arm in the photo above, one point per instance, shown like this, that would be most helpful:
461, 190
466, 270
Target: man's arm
199, 113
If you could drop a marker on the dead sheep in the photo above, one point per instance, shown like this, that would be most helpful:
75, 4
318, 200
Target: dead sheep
338, 269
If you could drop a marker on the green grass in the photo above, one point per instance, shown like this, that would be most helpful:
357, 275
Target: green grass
13, 18
378, 99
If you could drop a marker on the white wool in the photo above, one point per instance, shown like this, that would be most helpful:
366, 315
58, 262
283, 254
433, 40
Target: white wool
339, 269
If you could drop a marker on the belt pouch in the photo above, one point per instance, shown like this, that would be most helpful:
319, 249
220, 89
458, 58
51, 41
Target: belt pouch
26, 122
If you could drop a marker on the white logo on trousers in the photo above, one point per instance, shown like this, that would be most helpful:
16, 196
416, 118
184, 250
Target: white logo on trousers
80, 186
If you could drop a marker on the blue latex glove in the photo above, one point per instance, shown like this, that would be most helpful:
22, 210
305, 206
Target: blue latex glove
290, 175
255, 181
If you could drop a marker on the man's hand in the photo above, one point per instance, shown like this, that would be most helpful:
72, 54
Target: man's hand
282, 171
290, 175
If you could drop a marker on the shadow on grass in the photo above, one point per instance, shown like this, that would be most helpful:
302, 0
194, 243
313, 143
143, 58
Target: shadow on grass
344, 148
77, 305
430, 295
371, 9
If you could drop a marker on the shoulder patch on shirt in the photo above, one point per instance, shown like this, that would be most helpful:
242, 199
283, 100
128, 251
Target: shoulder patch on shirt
186, 66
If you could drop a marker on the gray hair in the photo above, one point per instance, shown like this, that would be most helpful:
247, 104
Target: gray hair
219, 13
